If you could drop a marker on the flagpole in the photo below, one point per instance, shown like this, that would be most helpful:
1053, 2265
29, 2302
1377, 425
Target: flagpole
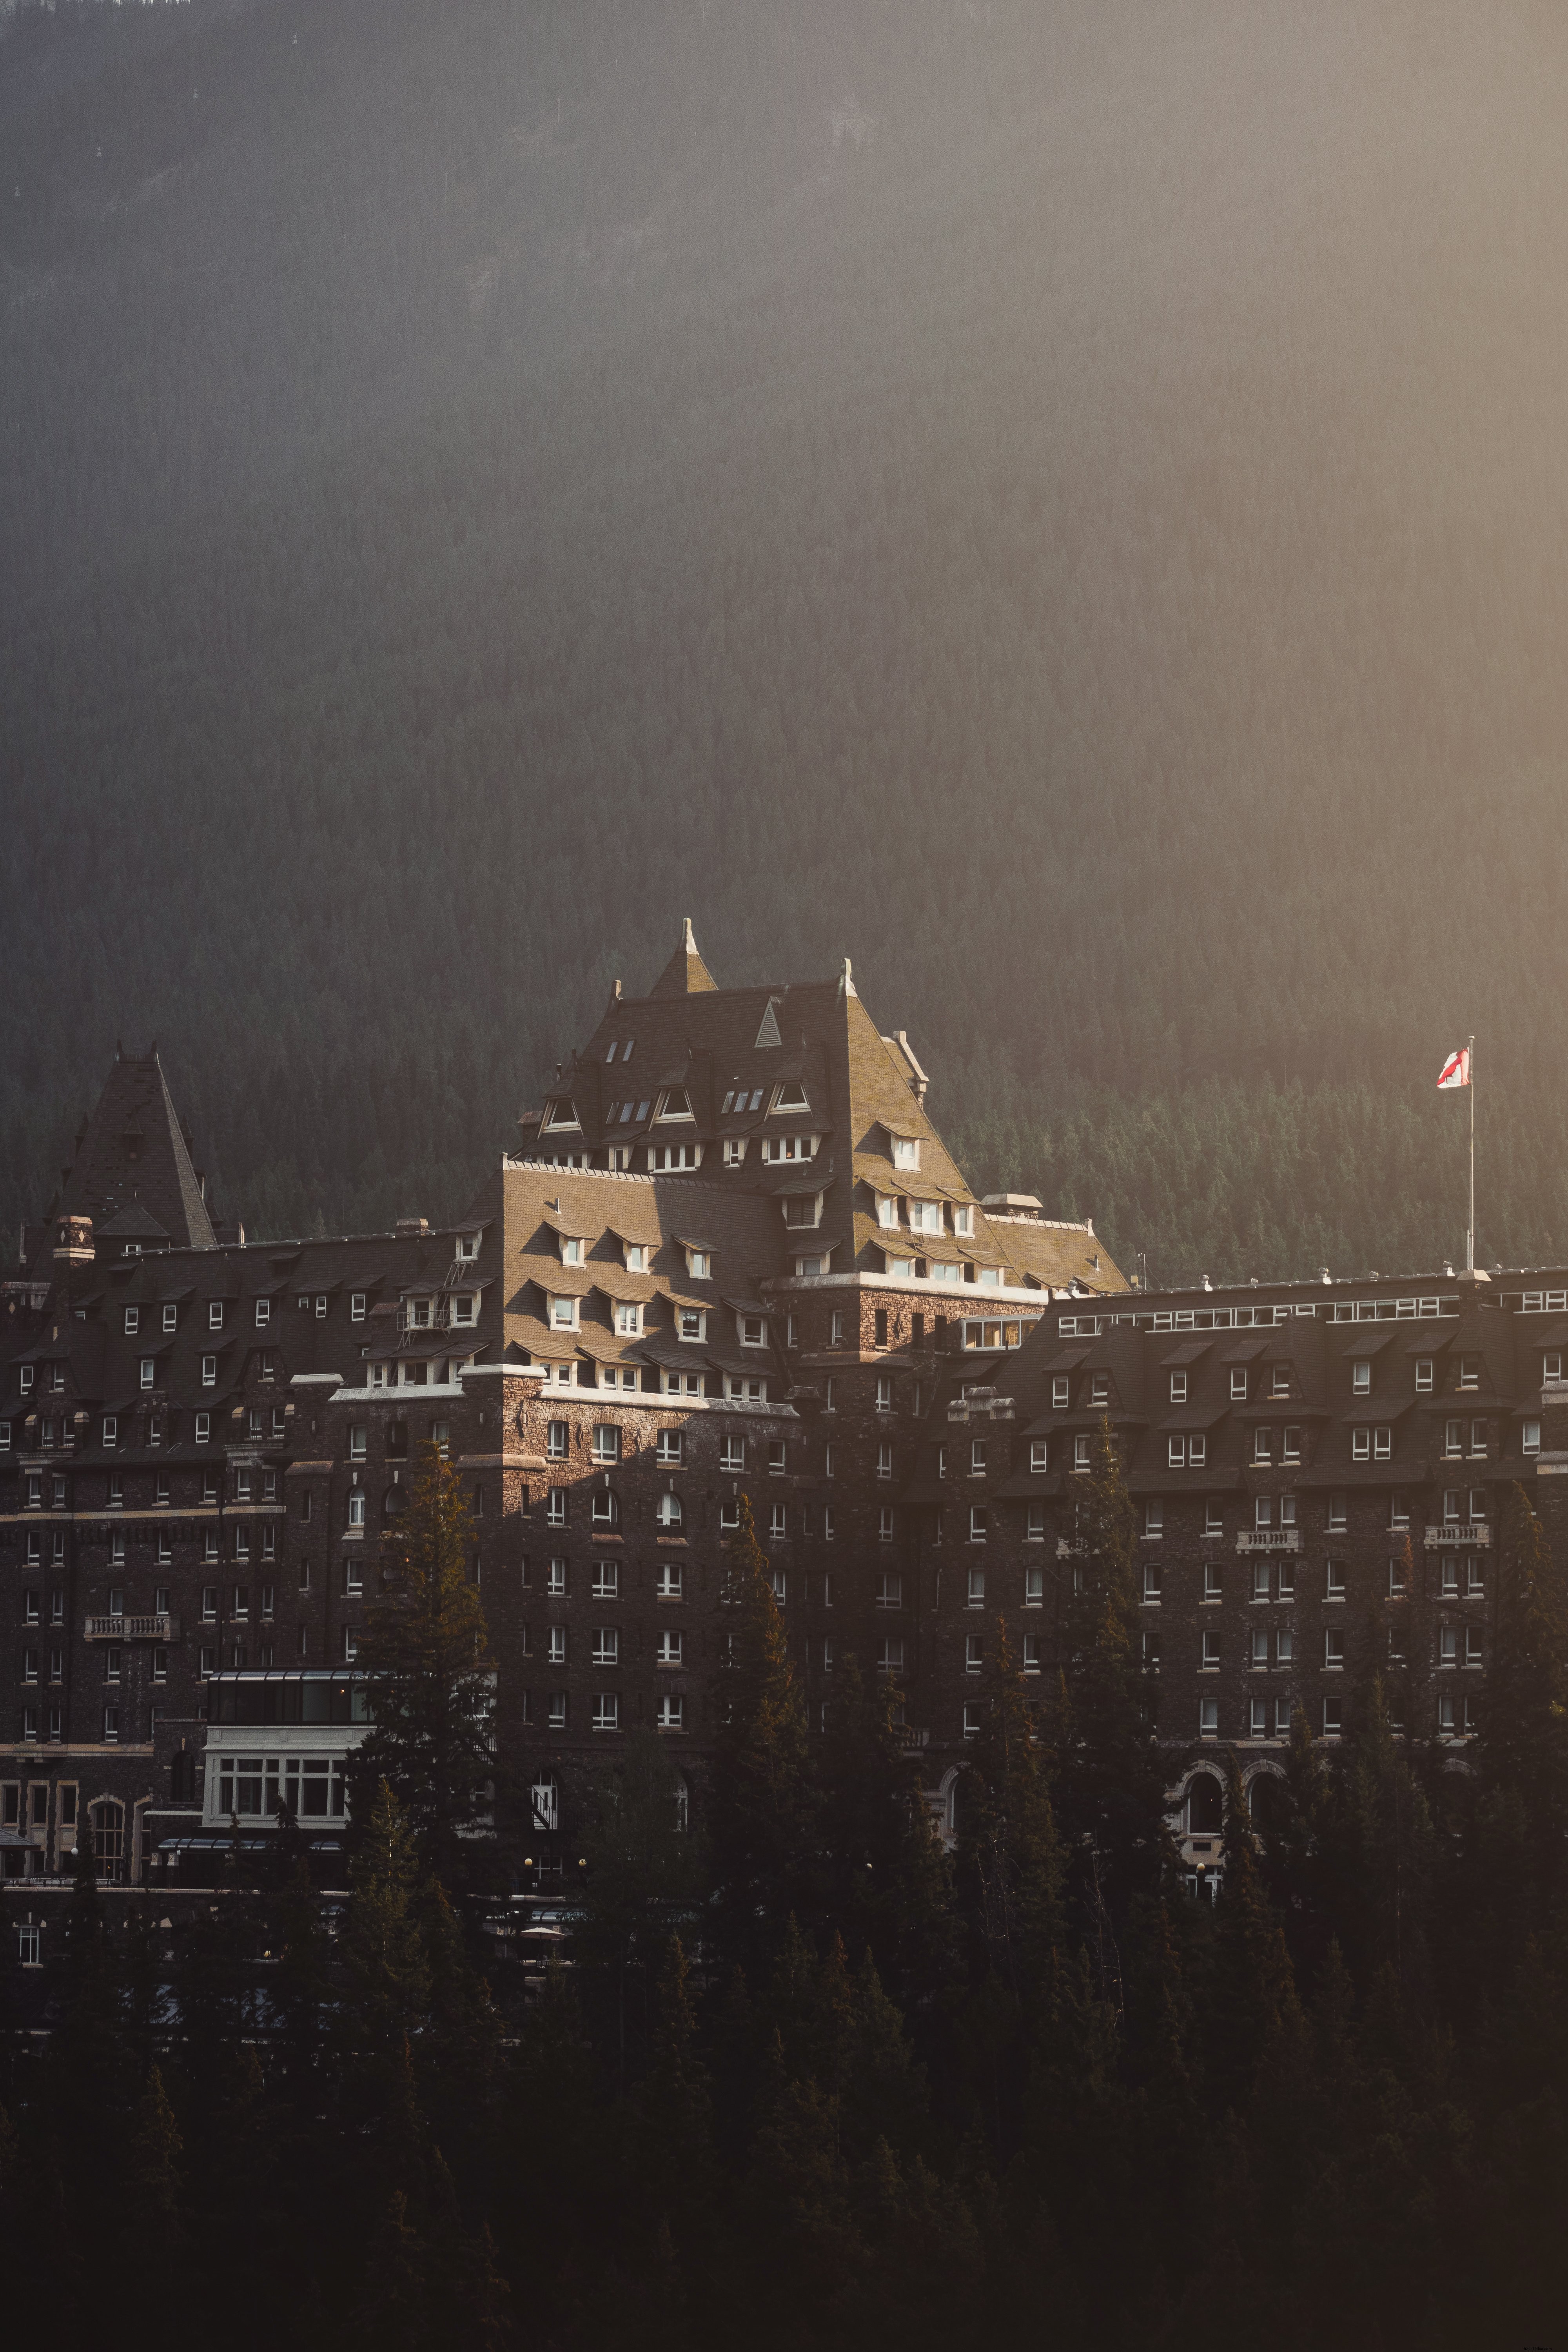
1470, 1235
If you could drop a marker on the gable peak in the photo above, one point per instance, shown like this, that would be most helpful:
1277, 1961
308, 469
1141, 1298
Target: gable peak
685, 974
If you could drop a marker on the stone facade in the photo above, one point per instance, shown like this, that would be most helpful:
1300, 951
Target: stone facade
733, 1258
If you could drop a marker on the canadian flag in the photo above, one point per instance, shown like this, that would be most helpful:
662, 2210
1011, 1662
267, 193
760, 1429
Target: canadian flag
1456, 1070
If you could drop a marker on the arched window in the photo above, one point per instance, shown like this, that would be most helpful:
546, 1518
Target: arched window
546, 1795
1205, 1806
108, 1841
391, 1502
670, 1514
1265, 1793
682, 1804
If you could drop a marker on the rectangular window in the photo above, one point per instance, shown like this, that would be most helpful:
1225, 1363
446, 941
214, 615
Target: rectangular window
606, 1649
1530, 1438
778, 1522
1336, 1518
1291, 1449
1178, 1387
669, 1581
606, 1583
1335, 1586
1332, 1717
1214, 1519
1263, 1445
671, 1714
1334, 1650
1238, 1386
204, 1428
209, 1371
1080, 1459
1261, 1580
973, 1653
1360, 1445
606, 1442
555, 1507
890, 1592
1034, 1524
1361, 1378
1469, 1372
978, 1523
1259, 1648
1060, 1393
1208, 1719
977, 1588
890, 1655
1210, 1659
1152, 1575
1153, 1522
1213, 1586
1382, 1442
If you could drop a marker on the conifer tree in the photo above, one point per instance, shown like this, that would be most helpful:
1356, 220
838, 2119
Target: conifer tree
642, 1870
883, 1875
1111, 1784
1253, 1999
760, 1813
153, 2208
382, 1952
1523, 1744
430, 1677
1009, 1857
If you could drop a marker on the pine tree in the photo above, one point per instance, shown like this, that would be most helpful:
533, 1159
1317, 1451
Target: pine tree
642, 1872
1522, 1750
1253, 1999
1111, 1786
154, 2209
761, 1816
883, 1876
430, 1678
386, 1972
1009, 1858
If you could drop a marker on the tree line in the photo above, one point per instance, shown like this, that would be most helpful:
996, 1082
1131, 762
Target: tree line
795, 2071
479, 484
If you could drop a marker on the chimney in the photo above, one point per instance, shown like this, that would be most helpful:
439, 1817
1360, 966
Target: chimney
412, 1229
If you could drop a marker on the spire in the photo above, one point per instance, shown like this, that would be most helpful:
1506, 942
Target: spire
132, 1162
685, 974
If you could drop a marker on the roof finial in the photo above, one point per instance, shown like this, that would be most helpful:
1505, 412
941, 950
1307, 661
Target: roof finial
690, 942
847, 980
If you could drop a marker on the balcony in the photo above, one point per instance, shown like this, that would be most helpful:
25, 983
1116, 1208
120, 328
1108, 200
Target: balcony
1269, 1539
1462, 1534
132, 1629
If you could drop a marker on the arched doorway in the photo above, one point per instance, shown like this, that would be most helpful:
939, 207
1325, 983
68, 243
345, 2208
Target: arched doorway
1265, 1801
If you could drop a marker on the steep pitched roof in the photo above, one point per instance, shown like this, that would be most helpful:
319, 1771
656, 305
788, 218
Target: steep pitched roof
685, 974
132, 1167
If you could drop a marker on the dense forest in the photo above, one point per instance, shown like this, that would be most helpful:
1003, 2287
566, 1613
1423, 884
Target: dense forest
1059, 500
795, 2074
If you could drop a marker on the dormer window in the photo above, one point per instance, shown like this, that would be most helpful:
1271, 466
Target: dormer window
754, 1330
635, 1254
1469, 1372
802, 1209
611, 1055
571, 1249
963, 1222
698, 1263
906, 1151
738, 1101
1239, 1387
887, 1211
791, 1095
465, 1306
628, 1317
561, 1114
675, 1104
691, 1323
215, 1315
1178, 1387
468, 1247
132, 1321
777, 1147
1280, 1384
734, 1151
563, 1313
925, 1216
1100, 1388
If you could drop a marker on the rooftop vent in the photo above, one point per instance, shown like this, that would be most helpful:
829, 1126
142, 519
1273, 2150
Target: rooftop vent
411, 1229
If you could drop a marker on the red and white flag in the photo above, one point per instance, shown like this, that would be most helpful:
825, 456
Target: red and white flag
1456, 1070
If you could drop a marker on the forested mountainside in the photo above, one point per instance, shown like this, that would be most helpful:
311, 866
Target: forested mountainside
1059, 500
